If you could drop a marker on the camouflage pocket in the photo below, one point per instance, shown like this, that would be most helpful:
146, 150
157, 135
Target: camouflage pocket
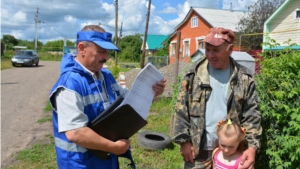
196, 131
196, 104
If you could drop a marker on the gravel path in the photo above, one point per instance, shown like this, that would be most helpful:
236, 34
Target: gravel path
24, 95
167, 71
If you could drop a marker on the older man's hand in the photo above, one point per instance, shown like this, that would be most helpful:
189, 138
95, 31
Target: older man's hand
248, 159
159, 87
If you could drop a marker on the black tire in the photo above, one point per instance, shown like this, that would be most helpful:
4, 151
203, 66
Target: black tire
153, 140
37, 63
13, 65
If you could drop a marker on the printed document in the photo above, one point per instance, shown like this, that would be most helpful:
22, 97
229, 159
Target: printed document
141, 94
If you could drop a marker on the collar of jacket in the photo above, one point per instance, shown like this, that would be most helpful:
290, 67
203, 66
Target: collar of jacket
202, 66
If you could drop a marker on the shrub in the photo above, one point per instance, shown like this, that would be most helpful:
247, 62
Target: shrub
115, 70
278, 87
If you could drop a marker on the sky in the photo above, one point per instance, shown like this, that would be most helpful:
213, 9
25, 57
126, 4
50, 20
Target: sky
58, 19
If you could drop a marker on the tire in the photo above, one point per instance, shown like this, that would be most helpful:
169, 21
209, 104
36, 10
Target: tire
153, 140
14, 65
37, 63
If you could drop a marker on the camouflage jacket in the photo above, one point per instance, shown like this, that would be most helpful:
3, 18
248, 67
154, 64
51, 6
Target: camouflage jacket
242, 105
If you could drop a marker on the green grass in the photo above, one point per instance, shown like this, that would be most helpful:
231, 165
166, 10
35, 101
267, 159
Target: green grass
49, 56
6, 63
45, 119
158, 121
48, 107
43, 155
48, 116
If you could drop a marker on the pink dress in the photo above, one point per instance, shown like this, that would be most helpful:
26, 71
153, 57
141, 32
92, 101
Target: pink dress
220, 165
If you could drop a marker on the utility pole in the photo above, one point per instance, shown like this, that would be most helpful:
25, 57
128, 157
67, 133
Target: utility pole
145, 36
116, 32
177, 56
36, 22
117, 42
36, 19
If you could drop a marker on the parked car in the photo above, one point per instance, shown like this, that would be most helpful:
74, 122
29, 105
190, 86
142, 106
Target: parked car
25, 58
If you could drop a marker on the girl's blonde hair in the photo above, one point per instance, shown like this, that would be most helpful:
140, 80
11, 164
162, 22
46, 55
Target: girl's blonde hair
230, 129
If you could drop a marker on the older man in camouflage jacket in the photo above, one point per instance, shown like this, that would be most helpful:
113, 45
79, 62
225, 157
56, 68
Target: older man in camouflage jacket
214, 88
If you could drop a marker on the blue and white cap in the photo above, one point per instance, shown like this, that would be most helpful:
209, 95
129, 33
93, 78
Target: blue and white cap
102, 39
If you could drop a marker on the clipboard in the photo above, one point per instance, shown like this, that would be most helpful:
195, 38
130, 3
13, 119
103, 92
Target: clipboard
116, 123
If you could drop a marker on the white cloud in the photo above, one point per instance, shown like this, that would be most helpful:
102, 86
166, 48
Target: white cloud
168, 10
70, 19
18, 17
65, 20
17, 34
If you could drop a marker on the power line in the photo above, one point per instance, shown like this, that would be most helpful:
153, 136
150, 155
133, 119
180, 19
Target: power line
57, 31
108, 9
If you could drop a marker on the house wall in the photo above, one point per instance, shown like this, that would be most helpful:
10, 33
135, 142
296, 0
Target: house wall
189, 34
193, 36
284, 22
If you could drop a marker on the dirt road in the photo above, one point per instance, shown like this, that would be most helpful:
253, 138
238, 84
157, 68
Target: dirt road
24, 95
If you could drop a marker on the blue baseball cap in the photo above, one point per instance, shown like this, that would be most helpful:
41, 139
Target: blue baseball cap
102, 39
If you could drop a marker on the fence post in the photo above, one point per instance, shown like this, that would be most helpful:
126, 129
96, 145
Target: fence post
122, 79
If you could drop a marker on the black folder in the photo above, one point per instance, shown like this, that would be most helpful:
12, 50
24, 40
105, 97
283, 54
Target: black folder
116, 123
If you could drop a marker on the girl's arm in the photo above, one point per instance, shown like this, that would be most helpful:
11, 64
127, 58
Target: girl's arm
212, 157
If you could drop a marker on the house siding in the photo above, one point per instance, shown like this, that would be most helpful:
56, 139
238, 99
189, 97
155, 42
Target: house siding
284, 22
189, 34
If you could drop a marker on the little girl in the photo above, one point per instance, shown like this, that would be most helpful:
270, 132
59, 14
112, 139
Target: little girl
231, 145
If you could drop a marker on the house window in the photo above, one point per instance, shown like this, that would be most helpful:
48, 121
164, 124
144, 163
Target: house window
201, 44
297, 14
186, 49
173, 50
194, 22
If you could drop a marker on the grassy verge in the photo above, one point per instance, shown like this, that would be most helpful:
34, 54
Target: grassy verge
6, 64
42, 155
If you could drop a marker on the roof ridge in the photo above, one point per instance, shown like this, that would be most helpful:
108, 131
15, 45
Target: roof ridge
232, 10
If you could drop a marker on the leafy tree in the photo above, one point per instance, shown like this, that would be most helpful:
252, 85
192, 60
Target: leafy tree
10, 41
57, 45
165, 50
253, 22
130, 47
30, 44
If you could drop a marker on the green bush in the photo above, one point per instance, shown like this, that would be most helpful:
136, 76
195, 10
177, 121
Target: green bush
278, 87
115, 70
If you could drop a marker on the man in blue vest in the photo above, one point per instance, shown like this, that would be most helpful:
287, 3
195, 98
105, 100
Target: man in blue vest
81, 93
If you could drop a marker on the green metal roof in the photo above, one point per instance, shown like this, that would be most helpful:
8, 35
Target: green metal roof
154, 42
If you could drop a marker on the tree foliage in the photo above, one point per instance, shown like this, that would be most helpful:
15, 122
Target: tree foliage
10, 41
130, 47
279, 91
56, 45
165, 50
253, 22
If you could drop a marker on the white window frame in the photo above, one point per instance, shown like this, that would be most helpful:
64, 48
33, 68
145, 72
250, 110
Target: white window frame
197, 39
194, 22
172, 50
186, 52
297, 11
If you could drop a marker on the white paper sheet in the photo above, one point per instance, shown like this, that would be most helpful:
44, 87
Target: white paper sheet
141, 94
